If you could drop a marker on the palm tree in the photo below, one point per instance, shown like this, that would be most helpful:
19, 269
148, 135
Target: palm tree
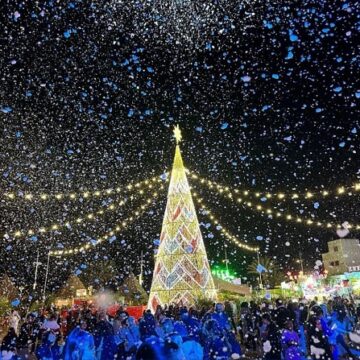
272, 276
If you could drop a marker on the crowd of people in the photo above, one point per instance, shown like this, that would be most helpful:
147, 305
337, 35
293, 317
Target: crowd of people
280, 331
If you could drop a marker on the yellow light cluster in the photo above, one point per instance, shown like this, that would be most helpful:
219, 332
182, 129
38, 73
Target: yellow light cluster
83, 194
118, 227
234, 196
86, 217
341, 190
223, 230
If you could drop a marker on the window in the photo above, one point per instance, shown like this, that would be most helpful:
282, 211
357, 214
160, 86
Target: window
331, 263
336, 249
337, 263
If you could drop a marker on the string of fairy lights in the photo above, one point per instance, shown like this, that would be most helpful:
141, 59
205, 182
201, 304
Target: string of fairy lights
308, 194
140, 189
121, 226
76, 195
221, 228
235, 196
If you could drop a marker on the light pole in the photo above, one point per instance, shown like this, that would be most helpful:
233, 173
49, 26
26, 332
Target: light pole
300, 260
226, 261
141, 268
260, 277
46, 276
36, 270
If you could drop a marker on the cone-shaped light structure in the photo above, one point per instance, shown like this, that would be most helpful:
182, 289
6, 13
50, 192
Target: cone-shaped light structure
182, 273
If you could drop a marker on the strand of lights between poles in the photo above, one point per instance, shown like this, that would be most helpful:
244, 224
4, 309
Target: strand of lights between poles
93, 216
234, 197
118, 227
223, 231
340, 191
86, 194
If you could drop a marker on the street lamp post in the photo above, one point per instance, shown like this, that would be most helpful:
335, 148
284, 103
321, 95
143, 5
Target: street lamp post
46, 276
36, 270
260, 277
301, 262
226, 262
141, 276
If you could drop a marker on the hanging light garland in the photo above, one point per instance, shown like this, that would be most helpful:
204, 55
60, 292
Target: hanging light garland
93, 216
223, 231
234, 196
341, 190
87, 194
118, 227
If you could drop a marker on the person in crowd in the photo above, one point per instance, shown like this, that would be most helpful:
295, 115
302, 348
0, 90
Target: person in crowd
14, 320
189, 329
303, 311
244, 313
270, 338
27, 337
354, 336
320, 312
51, 323
8, 345
230, 312
122, 312
49, 348
91, 319
223, 320
227, 329
118, 320
249, 327
206, 313
216, 345
292, 308
73, 320
281, 314
179, 324
129, 338
192, 323
170, 312
147, 325
105, 346
319, 345
341, 327
134, 329
323, 331
150, 351
173, 341
80, 344
151, 338
221, 317
290, 342
159, 314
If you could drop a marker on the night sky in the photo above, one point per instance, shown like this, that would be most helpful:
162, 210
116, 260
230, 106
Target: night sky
264, 91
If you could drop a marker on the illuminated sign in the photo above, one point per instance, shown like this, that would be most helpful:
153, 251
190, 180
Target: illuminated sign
223, 273
354, 268
80, 292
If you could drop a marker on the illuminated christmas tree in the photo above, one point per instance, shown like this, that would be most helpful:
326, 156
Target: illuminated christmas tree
182, 273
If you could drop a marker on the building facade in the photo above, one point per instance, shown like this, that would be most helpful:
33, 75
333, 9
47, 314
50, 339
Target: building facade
343, 256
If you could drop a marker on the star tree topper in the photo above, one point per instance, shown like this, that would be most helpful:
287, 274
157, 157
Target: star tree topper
177, 134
